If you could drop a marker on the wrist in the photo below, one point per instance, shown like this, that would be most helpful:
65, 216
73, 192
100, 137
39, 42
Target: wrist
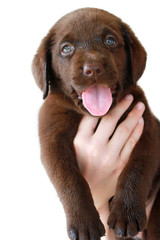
104, 213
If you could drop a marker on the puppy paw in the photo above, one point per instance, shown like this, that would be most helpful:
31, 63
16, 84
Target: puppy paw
126, 218
84, 227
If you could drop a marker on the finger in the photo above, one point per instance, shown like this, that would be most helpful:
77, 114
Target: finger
109, 122
87, 126
132, 141
125, 129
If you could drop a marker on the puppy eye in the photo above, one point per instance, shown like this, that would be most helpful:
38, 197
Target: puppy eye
110, 41
67, 49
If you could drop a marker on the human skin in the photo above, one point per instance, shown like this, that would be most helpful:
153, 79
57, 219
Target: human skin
102, 159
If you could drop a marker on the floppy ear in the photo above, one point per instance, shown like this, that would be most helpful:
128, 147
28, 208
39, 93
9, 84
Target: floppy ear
41, 66
136, 54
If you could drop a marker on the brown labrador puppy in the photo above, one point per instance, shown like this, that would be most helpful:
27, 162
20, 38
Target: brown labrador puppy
87, 63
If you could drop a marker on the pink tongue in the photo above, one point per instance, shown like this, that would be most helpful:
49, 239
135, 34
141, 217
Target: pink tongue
97, 100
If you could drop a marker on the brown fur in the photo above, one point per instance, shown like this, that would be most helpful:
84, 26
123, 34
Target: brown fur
62, 80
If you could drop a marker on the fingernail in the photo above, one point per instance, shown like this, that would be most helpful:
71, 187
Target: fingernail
140, 106
129, 97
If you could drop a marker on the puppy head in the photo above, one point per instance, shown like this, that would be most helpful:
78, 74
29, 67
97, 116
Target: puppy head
91, 57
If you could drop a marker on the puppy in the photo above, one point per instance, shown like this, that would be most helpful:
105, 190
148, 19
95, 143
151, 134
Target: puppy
87, 63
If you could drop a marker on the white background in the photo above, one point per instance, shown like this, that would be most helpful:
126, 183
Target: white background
29, 207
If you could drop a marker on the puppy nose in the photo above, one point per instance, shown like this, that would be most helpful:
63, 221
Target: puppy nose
93, 69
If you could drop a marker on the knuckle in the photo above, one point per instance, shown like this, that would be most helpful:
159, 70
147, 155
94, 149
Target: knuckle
108, 118
109, 160
111, 117
124, 129
134, 116
121, 167
77, 142
132, 142
93, 150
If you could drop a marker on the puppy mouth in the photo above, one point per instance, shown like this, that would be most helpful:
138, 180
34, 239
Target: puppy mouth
96, 99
